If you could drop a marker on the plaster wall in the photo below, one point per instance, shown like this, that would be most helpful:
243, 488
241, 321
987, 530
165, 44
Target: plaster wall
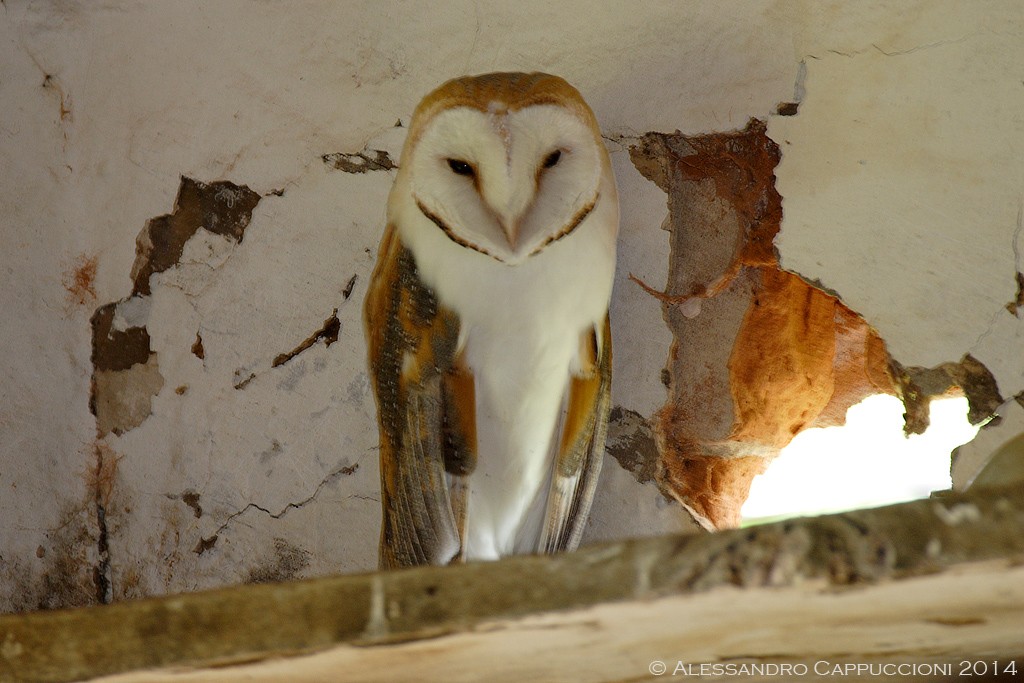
238, 468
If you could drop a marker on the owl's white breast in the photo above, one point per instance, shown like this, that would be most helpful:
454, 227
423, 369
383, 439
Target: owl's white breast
520, 329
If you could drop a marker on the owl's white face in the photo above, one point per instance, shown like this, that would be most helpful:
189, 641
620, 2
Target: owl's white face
505, 183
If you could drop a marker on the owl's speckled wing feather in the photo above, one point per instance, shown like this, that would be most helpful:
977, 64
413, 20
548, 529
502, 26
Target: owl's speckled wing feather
425, 412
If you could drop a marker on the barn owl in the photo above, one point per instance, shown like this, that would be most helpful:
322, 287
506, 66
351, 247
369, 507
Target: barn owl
487, 322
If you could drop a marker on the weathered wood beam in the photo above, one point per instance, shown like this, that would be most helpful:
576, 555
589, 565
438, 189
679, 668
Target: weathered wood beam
938, 580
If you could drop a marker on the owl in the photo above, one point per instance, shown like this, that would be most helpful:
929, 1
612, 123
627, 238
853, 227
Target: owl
487, 322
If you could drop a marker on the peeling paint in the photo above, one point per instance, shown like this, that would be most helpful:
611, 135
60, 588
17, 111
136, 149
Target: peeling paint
221, 208
126, 372
1018, 301
113, 349
125, 376
122, 400
632, 443
918, 386
197, 348
787, 109
191, 498
242, 378
363, 162
349, 286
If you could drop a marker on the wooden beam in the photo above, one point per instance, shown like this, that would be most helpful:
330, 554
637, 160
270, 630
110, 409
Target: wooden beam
936, 581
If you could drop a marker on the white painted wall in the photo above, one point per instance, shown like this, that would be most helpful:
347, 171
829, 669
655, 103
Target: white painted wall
918, 237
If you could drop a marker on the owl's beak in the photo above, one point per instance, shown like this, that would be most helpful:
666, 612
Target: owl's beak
510, 226
508, 208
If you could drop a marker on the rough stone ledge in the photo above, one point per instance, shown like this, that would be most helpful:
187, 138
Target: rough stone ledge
841, 552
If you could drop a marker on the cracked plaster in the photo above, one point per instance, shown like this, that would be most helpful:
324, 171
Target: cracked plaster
909, 151
95, 133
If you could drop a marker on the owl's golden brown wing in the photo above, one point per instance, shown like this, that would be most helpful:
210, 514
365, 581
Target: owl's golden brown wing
581, 445
425, 410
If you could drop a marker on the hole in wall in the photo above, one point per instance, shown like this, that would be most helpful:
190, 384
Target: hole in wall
868, 462
761, 355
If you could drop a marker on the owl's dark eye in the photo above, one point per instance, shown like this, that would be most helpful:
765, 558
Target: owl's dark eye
552, 159
460, 167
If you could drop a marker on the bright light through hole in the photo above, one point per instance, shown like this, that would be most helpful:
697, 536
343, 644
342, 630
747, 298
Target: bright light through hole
866, 463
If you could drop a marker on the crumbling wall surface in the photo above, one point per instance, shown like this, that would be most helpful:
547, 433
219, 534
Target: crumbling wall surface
193, 196
902, 220
194, 192
186, 394
903, 178
259, 373
758, 355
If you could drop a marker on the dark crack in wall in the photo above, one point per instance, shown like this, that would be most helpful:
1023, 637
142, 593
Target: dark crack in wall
101, 482
328, 334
